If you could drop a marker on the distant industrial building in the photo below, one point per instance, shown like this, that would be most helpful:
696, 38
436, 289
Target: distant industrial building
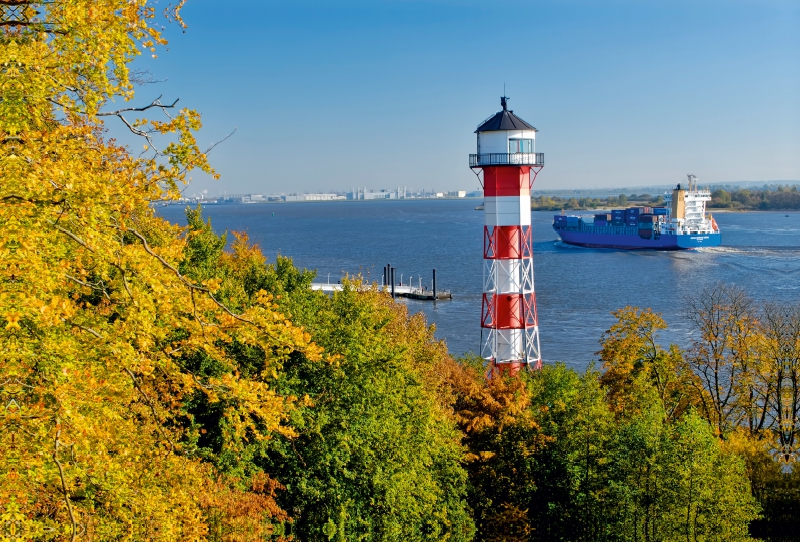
313, 197
363, 193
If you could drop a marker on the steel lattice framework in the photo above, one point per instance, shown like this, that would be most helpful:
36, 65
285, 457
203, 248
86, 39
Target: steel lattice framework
509, 321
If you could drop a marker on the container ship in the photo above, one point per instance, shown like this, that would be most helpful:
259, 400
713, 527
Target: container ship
680, 224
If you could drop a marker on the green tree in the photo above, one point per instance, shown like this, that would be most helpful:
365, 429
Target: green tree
674, 481
570, 498
373, 452
720, 198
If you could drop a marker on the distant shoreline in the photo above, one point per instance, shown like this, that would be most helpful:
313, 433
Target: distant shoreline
282, 202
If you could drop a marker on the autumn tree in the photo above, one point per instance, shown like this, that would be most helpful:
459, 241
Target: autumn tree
101, 331
631, 352
775, 408
501, 436
723, 354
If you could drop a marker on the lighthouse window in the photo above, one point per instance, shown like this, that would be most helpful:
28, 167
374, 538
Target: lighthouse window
520, 145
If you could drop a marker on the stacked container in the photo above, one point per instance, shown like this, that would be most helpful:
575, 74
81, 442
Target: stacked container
646, 225
618, 217
631, 216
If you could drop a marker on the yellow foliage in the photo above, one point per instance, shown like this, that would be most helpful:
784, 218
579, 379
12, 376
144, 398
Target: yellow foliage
632, 357
96, 316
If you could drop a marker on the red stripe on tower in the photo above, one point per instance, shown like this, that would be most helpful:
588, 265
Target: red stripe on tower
509, 161
507, 242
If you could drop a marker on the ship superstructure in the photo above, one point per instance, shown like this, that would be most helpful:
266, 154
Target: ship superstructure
681, 223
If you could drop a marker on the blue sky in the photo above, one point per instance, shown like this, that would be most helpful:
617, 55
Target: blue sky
384, 93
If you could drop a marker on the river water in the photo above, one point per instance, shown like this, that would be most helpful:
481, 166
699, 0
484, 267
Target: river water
576, 288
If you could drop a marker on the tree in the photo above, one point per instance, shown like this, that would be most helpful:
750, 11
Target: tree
373, 452
376, 457
720, 198
99, 327
570, 497
630, 349
674, 480
723, 353
502, 437
776, 390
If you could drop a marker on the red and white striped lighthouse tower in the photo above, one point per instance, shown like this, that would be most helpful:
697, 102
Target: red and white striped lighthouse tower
507, 155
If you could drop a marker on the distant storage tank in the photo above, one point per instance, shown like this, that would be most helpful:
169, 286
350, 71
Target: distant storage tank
509, 161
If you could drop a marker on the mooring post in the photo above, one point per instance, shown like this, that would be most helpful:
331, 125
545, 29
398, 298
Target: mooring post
434, 284
392, 282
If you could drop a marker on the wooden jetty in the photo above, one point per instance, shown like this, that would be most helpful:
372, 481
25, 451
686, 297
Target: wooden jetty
390, 285
410, 292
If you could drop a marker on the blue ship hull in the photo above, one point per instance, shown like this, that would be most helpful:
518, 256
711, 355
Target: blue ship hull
636, 242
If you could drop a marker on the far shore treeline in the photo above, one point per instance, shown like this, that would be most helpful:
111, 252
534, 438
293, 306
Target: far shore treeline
167, 383
768, 198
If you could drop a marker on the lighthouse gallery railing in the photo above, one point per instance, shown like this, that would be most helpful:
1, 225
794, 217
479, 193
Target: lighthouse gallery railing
507, 159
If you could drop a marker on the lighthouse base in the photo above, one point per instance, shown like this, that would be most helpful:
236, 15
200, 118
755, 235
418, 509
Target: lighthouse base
511, 368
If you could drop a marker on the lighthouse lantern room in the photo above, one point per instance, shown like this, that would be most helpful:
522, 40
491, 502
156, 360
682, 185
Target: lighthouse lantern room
508, 159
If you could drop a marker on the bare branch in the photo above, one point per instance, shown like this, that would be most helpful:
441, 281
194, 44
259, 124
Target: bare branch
99, 287
64, 491
184, 280
137, 131
71, 235
209, 149
144, 77
154, 103
86, 329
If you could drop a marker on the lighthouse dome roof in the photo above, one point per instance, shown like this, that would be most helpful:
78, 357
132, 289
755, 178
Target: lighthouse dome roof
504, 120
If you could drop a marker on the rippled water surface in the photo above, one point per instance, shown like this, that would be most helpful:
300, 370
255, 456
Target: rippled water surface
576, 288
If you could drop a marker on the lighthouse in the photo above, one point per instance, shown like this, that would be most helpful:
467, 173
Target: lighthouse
508, 159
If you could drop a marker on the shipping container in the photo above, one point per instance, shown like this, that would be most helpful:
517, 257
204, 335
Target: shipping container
659, 210
633, 212
647, 218
617, 222
600, 222
645, 233
604, 216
